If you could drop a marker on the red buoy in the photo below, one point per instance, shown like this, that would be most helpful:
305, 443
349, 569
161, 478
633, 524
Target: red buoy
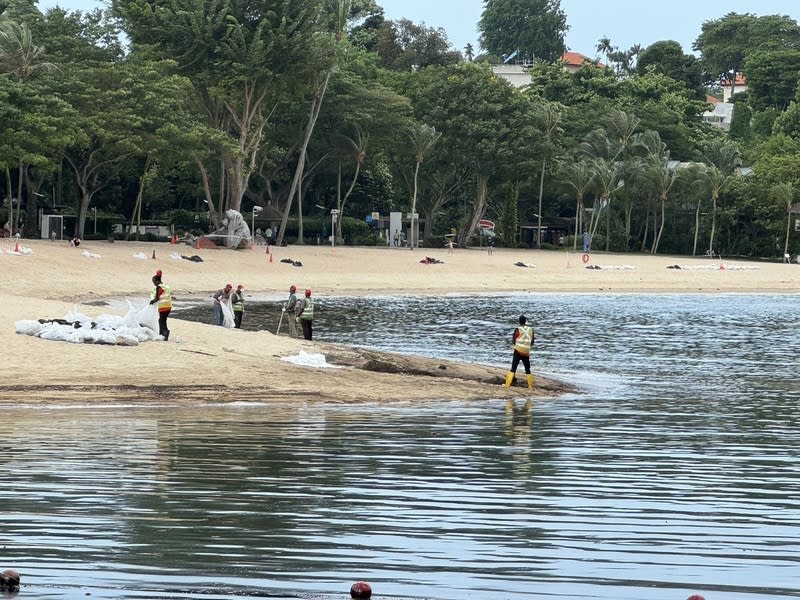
360, 589
695, 597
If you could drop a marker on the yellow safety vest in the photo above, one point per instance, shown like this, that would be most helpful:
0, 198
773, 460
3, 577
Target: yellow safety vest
238, 302
308, 310
165, 301
524, 340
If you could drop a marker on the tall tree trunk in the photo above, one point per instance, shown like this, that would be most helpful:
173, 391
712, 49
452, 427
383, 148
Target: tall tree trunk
9, 201
137, 209
579, 219
696, 226
661, 225
341, 201
788, 228
478, 210
414, 242
713, 224
15, 225
314, 110
213, 215
541, 193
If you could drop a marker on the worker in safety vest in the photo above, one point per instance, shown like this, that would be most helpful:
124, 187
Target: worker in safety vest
523, 342
305, 314
162, 297
237, 299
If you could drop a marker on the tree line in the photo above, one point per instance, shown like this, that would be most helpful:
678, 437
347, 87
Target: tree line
166, 111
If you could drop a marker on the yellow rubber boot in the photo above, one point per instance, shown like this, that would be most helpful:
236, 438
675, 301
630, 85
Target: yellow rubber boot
530, 382
509, 379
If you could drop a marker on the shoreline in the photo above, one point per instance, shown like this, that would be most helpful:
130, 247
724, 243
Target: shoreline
205, 363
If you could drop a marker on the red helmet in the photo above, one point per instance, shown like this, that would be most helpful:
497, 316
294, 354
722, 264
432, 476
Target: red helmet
308, 293
293, 289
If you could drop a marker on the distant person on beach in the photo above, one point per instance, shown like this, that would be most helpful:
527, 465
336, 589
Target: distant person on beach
75, 242
269, 235
291, 308
523, 342
237, 299
223, 295
305, 314
162, 297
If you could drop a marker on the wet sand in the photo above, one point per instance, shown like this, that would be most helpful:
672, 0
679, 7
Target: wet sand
208, 363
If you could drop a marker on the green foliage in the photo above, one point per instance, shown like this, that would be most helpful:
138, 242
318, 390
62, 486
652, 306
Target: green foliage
212, 102
533, 28
772, 77
741, 129
406, 46
668, 58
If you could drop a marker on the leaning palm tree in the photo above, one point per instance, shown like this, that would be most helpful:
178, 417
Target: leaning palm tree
423, 137
357, 149
724, 159
784, 193
577, 176
605, 149
656, 171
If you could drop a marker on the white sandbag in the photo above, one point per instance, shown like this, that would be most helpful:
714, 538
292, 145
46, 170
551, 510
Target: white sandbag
28, 327
227, 314
309, 359
104, 329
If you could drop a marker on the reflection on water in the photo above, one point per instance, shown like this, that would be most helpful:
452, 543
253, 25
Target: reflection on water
675, 472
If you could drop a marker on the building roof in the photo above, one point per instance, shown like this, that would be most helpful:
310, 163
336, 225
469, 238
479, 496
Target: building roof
577, 60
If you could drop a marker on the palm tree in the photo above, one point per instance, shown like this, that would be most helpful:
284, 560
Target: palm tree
696, 184
657, 172
469, 52
577, 176
550, 118
607, 181
784, 193
357, 148
19, 56
423, 137
604, 149
724, 159
605, 47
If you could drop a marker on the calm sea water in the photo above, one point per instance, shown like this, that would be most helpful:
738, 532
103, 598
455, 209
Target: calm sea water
676, 470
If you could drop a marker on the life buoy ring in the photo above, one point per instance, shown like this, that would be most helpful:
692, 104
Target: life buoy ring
585, 258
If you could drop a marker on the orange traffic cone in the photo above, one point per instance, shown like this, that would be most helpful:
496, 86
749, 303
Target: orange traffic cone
154, 254
270, 257
16, 247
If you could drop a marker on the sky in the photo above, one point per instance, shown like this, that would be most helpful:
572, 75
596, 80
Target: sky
624, 22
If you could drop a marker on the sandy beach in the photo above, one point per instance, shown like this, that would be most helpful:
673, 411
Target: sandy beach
200, 362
